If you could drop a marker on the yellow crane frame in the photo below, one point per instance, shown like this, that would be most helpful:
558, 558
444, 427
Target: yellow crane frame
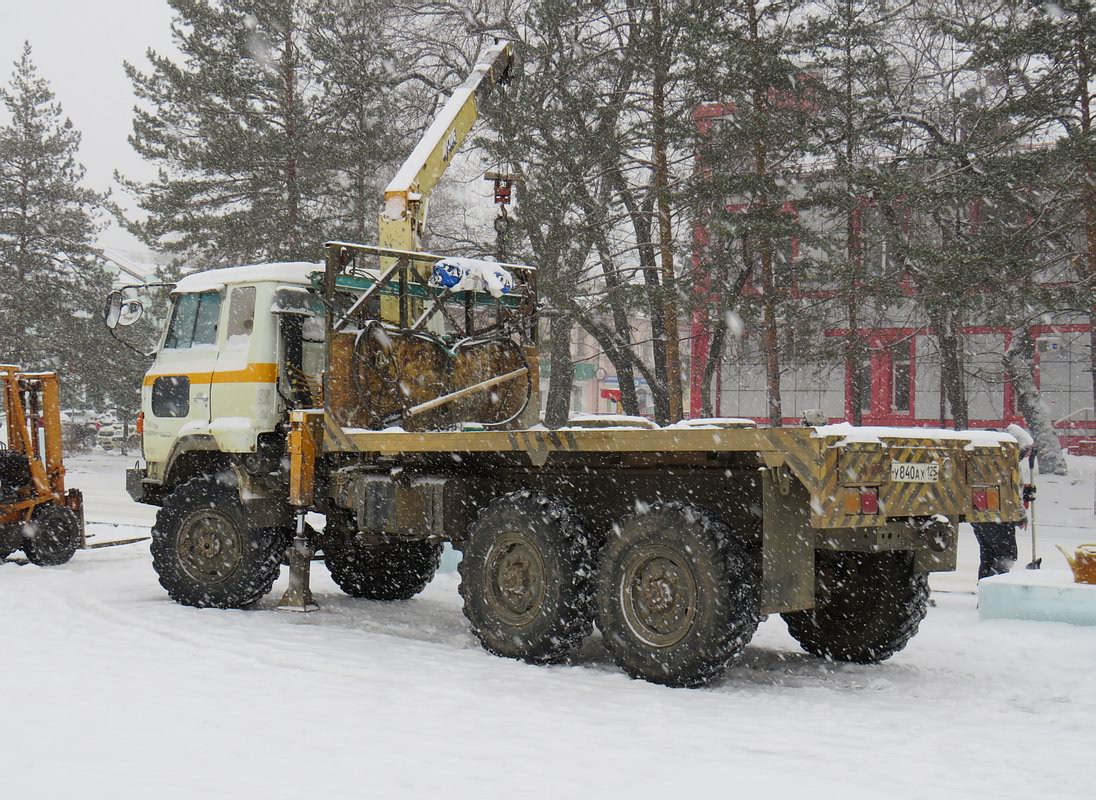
32, 403
403, 216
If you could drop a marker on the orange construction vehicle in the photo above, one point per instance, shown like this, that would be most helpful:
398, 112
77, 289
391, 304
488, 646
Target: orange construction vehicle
37, 514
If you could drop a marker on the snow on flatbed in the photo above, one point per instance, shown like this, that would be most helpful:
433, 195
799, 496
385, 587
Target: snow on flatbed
112, 690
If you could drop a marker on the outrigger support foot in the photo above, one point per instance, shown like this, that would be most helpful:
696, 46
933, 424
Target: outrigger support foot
298, 596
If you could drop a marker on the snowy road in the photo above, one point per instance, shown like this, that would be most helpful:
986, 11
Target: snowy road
113, 691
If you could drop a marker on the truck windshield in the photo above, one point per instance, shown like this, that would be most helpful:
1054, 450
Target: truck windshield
194, 321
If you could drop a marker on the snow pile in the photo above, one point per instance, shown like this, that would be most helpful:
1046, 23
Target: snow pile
471, 275
1001, 707
875, 434
714, 422
624, 421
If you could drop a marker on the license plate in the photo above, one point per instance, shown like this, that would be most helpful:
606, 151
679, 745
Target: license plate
903, 472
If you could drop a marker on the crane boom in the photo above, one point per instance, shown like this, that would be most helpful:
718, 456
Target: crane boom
404, 213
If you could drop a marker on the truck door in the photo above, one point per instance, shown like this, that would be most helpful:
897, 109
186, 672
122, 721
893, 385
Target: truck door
177, 389
244, 397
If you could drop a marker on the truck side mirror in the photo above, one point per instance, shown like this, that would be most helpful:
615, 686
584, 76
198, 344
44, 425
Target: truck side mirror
112, 310
132, 311
119, 311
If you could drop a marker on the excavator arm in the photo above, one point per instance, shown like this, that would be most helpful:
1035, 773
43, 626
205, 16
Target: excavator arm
405, 198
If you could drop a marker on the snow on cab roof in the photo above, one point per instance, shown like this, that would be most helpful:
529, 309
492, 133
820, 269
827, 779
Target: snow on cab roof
283, 272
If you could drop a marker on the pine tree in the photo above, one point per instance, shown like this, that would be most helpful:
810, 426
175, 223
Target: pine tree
850, 49
1036, 59
360, 81
52, 279
1042, 54
755, 63
235, 128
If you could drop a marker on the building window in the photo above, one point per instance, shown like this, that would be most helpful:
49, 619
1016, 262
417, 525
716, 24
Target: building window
862, 387
900, 379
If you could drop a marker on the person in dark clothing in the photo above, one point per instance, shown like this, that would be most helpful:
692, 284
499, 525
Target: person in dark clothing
997, 540
997, 546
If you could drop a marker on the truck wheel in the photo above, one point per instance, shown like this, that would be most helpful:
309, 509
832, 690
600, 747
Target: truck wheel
205, 553
52, 536
526, 577
396, 571
868, 606
677, 598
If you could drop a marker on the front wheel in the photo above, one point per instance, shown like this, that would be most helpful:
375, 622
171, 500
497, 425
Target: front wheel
52, 536
204, 552
867, 606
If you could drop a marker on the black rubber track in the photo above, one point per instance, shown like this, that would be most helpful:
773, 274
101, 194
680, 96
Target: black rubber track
727, 602
564, 617
262, 549
870, 606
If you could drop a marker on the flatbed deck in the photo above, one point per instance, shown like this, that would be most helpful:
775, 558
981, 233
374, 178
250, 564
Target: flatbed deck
830, 461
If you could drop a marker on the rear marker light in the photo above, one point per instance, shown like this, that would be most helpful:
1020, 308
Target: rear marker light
993, 498
869, 501
979, 499
850, 501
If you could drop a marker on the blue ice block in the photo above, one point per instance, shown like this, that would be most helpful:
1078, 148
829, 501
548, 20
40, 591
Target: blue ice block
449, 559
1047, 595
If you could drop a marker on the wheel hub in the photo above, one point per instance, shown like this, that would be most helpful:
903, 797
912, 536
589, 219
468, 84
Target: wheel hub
658, 595
516, 581
209, 546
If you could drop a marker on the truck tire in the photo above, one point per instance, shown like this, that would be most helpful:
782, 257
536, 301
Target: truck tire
868, 606
678, 599
205, 553
52, 536
396, 571
527, 578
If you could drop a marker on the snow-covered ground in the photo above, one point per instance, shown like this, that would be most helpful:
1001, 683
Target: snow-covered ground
111, 690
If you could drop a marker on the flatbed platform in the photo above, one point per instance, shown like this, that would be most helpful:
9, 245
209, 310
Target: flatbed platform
835, 463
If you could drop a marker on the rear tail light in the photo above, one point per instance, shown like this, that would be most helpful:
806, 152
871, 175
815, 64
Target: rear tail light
140, 423
993, 498
986, 498
869, 501
850, 501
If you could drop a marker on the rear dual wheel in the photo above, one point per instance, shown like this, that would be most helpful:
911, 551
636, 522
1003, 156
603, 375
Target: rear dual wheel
527, 578
678, 598
867, 606
390, 571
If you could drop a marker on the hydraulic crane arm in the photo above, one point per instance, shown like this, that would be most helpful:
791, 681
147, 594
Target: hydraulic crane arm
404, 213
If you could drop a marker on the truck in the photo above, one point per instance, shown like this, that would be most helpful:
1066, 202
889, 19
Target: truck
396, 393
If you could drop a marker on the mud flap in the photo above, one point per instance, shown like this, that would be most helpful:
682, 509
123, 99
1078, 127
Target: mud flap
788, 544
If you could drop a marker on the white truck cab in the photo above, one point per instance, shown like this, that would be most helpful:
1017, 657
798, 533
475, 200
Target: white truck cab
218, 382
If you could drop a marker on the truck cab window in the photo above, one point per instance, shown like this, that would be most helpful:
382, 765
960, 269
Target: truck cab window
241, 316
194, 321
